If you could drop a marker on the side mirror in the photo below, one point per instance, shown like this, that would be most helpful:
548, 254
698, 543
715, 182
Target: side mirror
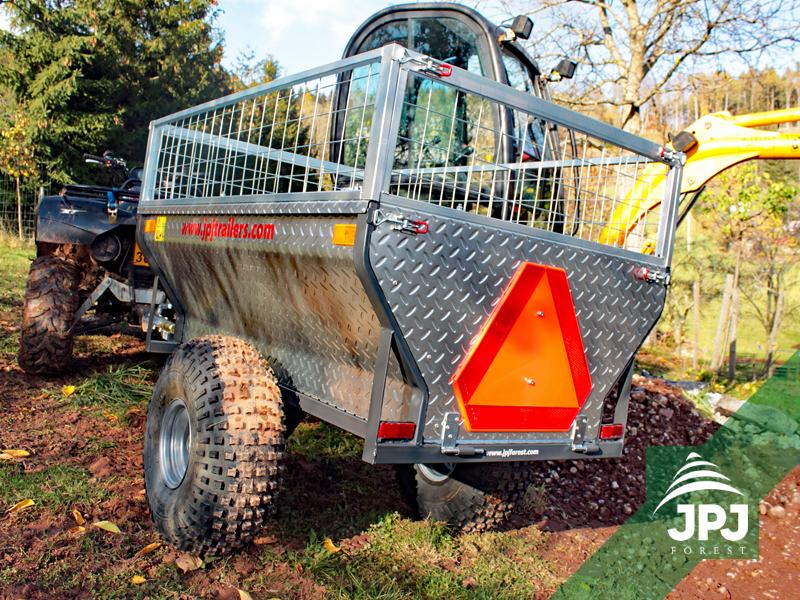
683, 142
522, 27
565, 69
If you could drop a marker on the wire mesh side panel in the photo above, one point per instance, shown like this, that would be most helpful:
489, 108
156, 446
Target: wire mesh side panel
276, 142
465, 152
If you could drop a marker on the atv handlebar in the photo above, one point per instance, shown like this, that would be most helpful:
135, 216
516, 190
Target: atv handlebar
116, 165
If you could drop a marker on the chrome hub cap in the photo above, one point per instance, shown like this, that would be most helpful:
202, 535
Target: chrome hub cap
176, 439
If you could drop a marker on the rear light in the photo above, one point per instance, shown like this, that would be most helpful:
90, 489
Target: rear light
611, 432
396, 431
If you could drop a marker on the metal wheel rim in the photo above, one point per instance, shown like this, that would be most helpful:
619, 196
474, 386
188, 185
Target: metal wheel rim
437, 473
175, 441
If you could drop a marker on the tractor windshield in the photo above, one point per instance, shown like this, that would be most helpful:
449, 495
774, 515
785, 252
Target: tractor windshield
444, 39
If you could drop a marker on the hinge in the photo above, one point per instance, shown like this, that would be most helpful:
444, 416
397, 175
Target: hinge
450, 433
579, 443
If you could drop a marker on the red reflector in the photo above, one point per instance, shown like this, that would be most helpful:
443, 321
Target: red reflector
608, 432
527, 370
396, 431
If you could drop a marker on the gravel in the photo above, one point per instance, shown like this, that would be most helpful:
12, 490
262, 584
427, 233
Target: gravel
604, 492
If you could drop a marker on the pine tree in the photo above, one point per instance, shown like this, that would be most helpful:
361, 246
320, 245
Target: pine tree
93, 74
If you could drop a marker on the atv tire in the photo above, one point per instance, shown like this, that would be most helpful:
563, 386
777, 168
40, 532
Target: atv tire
48, 316
468, 497
214, 446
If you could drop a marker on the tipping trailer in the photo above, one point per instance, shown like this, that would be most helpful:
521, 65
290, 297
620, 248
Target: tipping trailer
405, 247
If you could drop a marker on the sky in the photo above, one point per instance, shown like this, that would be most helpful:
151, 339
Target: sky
299, 34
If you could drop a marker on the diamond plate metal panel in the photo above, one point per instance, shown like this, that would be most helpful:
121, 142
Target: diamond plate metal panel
295, 296
443, 285
297, 207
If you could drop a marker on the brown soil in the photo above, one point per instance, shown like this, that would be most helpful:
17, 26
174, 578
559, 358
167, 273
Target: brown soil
585, 500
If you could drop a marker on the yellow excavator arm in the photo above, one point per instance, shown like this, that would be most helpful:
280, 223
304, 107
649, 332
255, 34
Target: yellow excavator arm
712, 144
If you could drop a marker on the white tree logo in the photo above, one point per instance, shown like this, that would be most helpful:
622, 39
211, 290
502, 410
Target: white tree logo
696, 476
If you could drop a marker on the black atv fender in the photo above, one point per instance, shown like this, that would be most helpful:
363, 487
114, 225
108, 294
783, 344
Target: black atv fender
68, 220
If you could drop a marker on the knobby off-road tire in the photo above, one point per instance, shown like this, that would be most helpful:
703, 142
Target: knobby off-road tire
214, 446
468, 497
48, 316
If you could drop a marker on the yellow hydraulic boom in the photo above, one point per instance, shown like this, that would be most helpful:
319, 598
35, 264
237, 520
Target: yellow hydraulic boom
712, 144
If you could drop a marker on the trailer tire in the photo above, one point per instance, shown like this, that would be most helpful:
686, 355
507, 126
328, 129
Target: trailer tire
468, 497
214, 446
48, 316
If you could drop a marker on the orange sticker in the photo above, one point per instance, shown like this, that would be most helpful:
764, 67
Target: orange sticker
138, 257
150, 226
344, 235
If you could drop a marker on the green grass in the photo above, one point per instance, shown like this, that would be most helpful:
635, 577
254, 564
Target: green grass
320, 440
117, 387
423, 560
15, 262
58, 489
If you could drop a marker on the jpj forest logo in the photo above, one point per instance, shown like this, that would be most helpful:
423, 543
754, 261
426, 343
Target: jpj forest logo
208, 230
708, 529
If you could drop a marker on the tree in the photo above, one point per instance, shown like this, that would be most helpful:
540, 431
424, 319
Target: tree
16, 157
771, 270
92, 75
640, 47
752, 215
249, 72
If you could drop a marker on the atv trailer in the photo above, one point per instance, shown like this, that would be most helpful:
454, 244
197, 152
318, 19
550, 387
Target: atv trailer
407, 250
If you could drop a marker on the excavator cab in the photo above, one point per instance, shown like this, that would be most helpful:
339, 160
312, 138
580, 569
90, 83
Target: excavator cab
461, 37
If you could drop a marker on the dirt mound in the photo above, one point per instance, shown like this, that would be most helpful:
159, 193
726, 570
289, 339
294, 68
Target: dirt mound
599, 493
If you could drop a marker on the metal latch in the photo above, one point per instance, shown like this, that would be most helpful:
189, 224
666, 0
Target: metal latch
652, 276
400, 223
428, 66
579, 443
112, 207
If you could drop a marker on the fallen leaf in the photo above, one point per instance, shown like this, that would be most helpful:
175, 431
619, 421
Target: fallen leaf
141, 492
269, 539
107, 526
68, 390
469, 582
110, 416
21, 505
189, 562
76, 514
298, 567
147, 549
330, 546
9, 454
76, 530
244, 595
138, 580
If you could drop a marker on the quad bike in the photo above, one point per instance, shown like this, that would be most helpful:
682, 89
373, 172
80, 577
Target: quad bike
88, 272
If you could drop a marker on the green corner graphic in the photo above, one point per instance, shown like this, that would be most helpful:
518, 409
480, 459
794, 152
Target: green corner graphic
702, 501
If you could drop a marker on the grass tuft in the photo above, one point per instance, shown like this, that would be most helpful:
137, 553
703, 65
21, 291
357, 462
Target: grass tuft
118, 387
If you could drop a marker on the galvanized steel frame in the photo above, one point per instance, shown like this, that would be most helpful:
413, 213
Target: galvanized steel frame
385, 125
